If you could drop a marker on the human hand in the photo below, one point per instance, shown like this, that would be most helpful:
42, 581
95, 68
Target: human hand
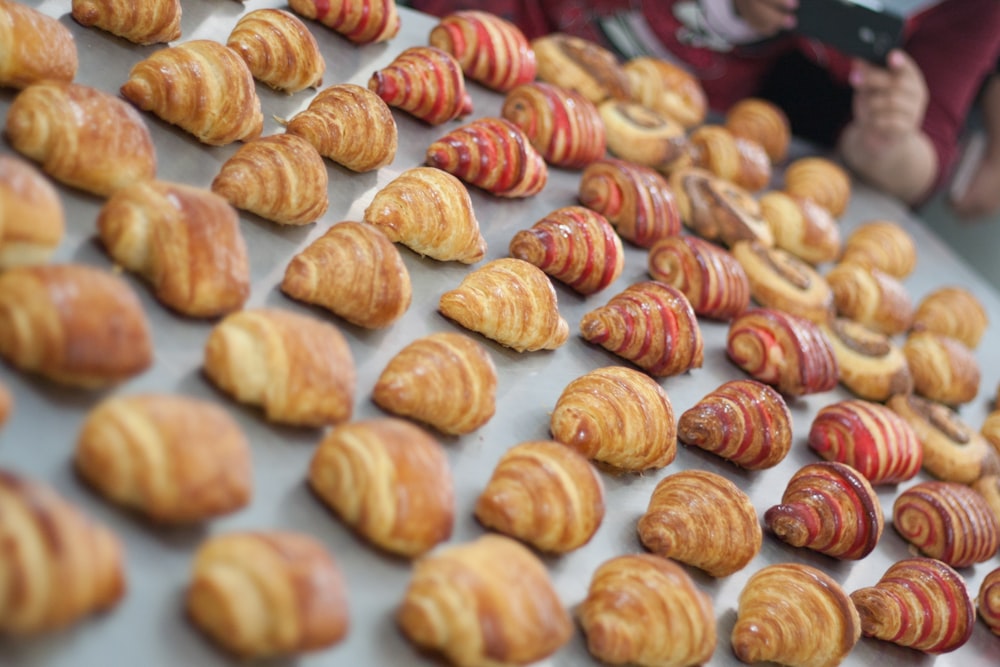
889, 102
767, 17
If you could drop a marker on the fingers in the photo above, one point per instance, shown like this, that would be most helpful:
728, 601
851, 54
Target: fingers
892, 100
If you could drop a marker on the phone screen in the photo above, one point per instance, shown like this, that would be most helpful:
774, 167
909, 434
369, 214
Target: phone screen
863, 29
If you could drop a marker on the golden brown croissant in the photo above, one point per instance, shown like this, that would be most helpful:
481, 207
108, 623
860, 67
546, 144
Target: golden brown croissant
429, 211
711, 278
763, 122
543, 493
801, 226
735, 159
510, 301
172, 458
279, 50
263, 594
870, 364
202, 87
483, 603
821, 180
389, 481
578, 64
36, 47
425, 82
989, 601
920, 603
360, 21
74, 324
701, 519
667, 89
952, 311
576, 246
943, 369
81, 136
59, 566
491, 50
871, 297
297, 368
718, 210
642, 136
645, 610
883, 245
184, 240
795, 615
32, 221
148, 22
780, 280
617, 416
354, 271
445, 379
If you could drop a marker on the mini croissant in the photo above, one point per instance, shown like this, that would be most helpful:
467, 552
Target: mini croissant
870, 364
780, 280
735, 159
360, 21
150, 22
871, 297
668, 89
562, 125
491, 50
821, 180
943, 368
32, 220
711, 278
989, 601
279, 50
425, 82
717, 210
802, 227
36, 47
883, 245
952, 311
762, 121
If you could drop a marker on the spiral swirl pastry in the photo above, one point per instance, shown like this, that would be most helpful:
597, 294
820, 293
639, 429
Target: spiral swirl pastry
718, 210
943, 368
39, 47
426, 82
761, 121
491, 50
790, 353
619, 417
562, 125
279, 50
883, 245
920, 603
645, 610
821, 180
952, 311
701, 519
871, 297
735, 159
642, 136
360, 21
579, 64
871, 365
780, 280
492, 154
711, 278
667, 89
801, 226
543, 493
989, 601
742, 421
143, 23
795, 615
948, 521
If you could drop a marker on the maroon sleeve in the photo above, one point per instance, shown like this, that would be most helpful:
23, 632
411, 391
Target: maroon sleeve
525, 14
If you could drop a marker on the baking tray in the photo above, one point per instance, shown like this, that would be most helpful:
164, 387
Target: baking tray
149, 627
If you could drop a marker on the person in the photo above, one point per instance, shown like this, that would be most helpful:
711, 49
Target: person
980, 195
897, 127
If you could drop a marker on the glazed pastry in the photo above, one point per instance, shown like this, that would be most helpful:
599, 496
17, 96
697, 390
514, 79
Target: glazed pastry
279, 50
297, 368
37, 47
718, 210
871, 365
444, 379
353, 271
81, 136
642, 136
763, 122
202, 87
360, 21
870, 438
701, 519
491, 50
920, 603
790, 353
989, 601
645, 610
59, 566
780, 280
821, 180
871, 297
954, 312
425, 82
562, 125
742, 421
184, 240
738, 160
172, 458
429, 211
831, 508
635, 199
73, 324
265, 594
389, 481
510, 301
883, 245
350, 125
795, 615
578, 64
486, 602
619, 417
543, 493
576, 246
32, 221
943, 369
148, 22
492, 154
667, 89
711, 278
801, 226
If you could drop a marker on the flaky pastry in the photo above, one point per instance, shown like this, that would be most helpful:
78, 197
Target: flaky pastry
426, 82
360, 21
32, 220
279, 50
579, 64
952, 311
709, 276
148, 22
870, 364
562, 125
667, 88
782, 281
491, 50
36, 47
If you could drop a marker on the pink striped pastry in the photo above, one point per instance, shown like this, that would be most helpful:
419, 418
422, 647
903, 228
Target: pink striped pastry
491, 50
989, 601
635, 199
360, 21
425, 82
712, 280
562, 124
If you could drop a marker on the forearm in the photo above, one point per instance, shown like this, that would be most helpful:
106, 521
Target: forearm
905, 167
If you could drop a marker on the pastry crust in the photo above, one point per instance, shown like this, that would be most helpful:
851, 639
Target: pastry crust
491, 50
360, 21
32, 221
883, 245
871, 365
667, 89
36, 47
711, 278
642, 136
279, 50
763, 122
952, 311
578, 64
988, 601
871, 297
426, 82
718, 210
821, 180
943, 369
738, 160
780, 280
148, 22
802, 227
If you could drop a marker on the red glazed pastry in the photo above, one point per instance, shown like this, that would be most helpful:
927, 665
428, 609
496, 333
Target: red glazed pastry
989, 601
735, 159
711, 278
801, 226
425, 82
360, 21
563, 125
491, 50
718, 210
763, 122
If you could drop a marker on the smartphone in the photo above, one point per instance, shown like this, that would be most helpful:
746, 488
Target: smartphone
862, 28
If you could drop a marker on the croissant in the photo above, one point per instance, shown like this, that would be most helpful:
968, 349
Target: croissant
701, 519
184, 240
350, 125
870, 364
943, 369
264, 594
821, 180
581, 65
989, 601
576, 246
492, 154
795, 615
801, 227
425, 82
562, 125
81, 136
738, 160
644, 610
389, 481
59, 566
718, 210
32, 221
763, 122
617, 416
360, 21
780, 280
429, 211
444, 379
510, 301
354, 271
635, 199
742, 421
73, 324
172, 458
871, 297
297, 368
652, 325
202, 87
37, 47
711, 278
150, 22
920, 603
952, 311
491, 50
667, 89
543, 493
279, 50
642, 136
883, 245
486, 602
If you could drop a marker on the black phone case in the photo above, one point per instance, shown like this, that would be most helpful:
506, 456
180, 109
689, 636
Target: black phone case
856, 29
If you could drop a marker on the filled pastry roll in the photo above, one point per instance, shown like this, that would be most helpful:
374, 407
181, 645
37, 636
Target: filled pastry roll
642, 136
718, 210
782, 281
579, 64
870, 364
